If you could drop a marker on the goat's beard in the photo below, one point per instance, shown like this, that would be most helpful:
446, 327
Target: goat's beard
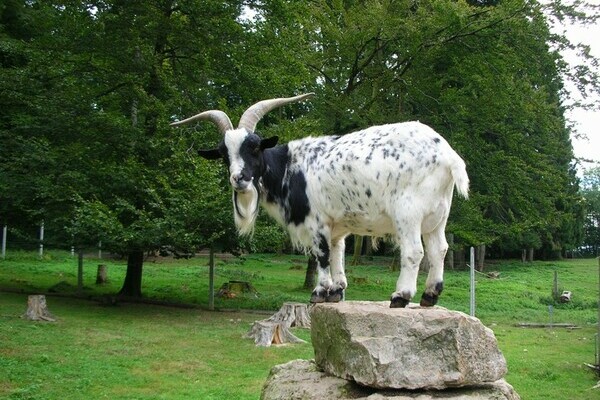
245, 210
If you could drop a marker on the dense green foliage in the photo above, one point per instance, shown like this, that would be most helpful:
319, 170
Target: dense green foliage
88, 89
590, 186
148, 352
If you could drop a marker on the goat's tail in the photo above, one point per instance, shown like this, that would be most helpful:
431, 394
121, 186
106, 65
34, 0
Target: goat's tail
461, 179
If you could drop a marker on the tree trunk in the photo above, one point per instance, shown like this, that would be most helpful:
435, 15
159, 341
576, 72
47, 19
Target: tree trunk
358, 243
480, 257
449, 261
395, 265
132, 287
369, 248
530, 254
311, 270
460, 258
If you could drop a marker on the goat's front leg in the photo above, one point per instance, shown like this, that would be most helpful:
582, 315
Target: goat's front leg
321, 251
336, 293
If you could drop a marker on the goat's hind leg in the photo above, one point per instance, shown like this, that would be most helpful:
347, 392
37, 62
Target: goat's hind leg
436, 247
411, 250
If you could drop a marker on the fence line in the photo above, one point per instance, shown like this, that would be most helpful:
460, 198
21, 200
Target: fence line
39, 242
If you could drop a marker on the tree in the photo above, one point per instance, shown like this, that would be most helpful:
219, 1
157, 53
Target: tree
150, 49
91, 89
481, 73
590, 190
91, 131
88, 90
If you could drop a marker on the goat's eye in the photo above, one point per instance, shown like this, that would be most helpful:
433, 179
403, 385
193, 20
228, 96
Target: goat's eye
256, 150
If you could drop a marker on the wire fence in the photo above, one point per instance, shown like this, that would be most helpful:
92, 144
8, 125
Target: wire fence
40, 239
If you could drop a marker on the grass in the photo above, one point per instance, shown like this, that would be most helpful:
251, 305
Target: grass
132, 351
140, 351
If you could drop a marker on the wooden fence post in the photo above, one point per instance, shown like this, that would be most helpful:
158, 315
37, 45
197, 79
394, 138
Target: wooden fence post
211, 279
472, 296
598, 321
42, 239
80, 272
4, 232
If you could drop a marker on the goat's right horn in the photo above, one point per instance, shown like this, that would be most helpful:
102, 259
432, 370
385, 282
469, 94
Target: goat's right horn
219, 118
252, 115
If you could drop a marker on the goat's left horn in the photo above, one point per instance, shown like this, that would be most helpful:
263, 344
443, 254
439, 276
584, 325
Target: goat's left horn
219, 118
254, 114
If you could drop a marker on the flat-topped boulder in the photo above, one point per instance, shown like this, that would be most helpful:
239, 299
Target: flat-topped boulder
303, 380
404, 348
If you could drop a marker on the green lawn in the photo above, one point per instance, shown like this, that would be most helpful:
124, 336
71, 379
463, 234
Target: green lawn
141, 351
132, 351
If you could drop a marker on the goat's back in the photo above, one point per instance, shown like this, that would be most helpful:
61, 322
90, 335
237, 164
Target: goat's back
365, 174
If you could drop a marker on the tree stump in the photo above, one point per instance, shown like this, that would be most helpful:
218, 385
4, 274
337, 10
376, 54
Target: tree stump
37, 310
265, 333
565, 297
232, 289
102, 275
292, 315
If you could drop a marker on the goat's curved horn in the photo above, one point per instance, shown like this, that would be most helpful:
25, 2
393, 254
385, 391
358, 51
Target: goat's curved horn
217, 117
254, 114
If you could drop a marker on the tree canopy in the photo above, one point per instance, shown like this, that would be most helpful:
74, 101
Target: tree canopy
88, 90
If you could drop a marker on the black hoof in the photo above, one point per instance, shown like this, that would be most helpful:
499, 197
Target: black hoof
431, 299
318, 297
335, 296
398, 302
428, 300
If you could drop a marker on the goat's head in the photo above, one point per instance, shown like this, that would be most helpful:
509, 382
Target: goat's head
242, 150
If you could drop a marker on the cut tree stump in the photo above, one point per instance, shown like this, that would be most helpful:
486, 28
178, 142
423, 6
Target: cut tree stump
102, 275
232, 289
37, 310
265, 333
276, 329
293, 315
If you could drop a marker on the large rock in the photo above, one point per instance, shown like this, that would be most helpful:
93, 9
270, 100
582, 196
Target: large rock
404, 348
302, 380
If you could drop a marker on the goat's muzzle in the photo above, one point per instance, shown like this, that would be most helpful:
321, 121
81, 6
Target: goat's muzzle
240, 184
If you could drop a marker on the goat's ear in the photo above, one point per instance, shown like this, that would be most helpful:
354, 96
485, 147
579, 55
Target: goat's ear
210, 154
269, 142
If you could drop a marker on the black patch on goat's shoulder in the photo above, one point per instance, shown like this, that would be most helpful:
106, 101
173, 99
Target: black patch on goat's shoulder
276, 162
299, 206
289, 192
436, 140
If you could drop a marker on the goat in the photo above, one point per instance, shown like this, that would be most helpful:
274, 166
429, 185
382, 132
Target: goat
395, 179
